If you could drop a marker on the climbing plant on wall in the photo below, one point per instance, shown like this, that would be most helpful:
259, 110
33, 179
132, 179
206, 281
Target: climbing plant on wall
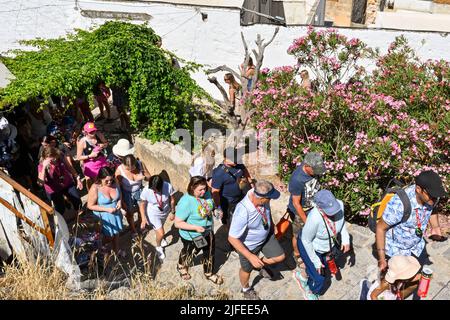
123, 55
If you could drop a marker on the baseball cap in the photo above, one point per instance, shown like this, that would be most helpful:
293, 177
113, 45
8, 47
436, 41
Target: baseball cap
432, 183
326, 201
315, 161
89, 127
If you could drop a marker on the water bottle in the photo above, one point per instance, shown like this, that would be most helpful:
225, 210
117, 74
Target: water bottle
332, 265
424, 283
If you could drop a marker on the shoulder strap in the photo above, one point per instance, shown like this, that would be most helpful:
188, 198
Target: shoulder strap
326, 227
406, 205
227, 170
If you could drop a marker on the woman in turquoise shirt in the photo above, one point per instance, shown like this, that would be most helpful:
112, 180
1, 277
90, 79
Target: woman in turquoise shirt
194, 218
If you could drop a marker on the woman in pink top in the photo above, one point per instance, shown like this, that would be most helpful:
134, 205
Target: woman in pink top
59, 179
90, 152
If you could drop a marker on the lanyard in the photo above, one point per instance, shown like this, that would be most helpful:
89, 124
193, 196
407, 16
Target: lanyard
332, 226
419, 219
262, 212
204, 209
159, 201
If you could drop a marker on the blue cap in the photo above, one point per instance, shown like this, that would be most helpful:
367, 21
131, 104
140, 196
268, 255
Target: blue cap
326, 201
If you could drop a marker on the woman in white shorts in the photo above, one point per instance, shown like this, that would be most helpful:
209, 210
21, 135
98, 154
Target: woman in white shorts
157, 202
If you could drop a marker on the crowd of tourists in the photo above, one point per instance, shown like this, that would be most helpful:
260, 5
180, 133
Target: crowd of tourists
53, 149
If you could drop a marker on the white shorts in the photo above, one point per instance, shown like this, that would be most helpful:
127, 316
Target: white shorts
157, 221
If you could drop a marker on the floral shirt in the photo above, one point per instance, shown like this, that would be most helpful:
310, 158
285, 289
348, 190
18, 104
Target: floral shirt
402, 238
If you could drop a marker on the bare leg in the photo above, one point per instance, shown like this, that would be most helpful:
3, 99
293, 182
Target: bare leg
115, 243
243, 278
159, 236
130, 219
294, 247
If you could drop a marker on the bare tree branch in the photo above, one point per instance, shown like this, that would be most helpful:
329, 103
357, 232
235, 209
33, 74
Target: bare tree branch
214, 81
244, 80
222, 68
238, 116
273, 37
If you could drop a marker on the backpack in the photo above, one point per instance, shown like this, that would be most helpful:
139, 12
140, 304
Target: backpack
377, 209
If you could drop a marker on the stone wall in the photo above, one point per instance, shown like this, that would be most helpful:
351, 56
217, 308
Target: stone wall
163, 157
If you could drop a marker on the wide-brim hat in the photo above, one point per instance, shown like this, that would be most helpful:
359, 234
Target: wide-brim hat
122, 148
401, 268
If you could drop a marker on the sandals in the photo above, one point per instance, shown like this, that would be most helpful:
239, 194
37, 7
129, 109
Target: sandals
215, 278
183, 271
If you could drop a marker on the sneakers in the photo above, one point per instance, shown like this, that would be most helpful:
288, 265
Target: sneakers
160, 253
164, 243
364, 286
250, 294
303, 283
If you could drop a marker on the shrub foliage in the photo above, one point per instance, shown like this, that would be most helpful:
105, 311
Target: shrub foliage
393, 122
121, 54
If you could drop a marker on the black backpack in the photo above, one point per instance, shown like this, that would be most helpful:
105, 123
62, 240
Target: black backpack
377, 209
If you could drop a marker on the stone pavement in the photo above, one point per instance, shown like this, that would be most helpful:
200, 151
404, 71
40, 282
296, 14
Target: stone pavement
360, 265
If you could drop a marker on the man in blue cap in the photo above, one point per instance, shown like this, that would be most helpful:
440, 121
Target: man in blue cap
317, 240
252, 232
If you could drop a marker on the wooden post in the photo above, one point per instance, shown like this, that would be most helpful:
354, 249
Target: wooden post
48, 231
45, 209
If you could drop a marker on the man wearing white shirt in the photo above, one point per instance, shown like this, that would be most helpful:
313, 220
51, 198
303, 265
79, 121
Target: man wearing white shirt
252, 231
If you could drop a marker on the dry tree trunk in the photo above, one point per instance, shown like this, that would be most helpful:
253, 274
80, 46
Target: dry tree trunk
239, 117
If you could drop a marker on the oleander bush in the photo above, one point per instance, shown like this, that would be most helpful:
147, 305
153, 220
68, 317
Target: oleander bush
369, 127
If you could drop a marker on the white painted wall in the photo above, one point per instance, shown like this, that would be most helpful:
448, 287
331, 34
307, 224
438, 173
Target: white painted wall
213, 42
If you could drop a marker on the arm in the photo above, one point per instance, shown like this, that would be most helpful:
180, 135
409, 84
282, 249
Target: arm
308, 234
75, 175
181, 224
345, 246
102, 139
172, 205
384, 285
248, 176
434, 222
297, 200
216, 197
142, 207
380, 237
